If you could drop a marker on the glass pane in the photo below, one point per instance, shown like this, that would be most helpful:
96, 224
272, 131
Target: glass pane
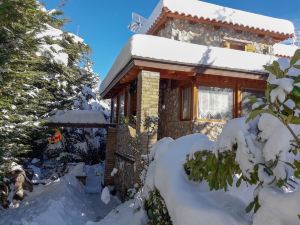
215, 103
122, 108
186, 103
246, 105
114, 113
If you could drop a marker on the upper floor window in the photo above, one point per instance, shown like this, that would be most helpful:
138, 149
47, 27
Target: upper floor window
241, 45
215, 103
186, 103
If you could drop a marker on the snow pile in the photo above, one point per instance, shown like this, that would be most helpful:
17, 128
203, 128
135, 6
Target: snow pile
187, 202
105, 196
278, 208
54, 52
284, 50
216, 13
78, 117
258, 142
62, 202
141, 46
124, 214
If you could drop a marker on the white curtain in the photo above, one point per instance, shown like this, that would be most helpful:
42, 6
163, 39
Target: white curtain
215, 103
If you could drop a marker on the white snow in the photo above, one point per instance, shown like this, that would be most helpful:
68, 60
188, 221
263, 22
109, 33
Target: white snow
189, 203
284, 50
114, 172
166, 50
63, 202
105, 195
76, 38
278, 208
125, 214
212, 12
78, 116
49, 31
54, 52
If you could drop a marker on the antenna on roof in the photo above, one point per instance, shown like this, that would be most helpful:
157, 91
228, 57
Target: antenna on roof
137, 23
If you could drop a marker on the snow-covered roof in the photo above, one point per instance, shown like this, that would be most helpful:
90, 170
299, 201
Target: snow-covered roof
78, 117
167, 50
284, 50
216, 13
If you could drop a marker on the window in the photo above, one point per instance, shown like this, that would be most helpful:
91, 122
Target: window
186, 99
215, 103
114, 110
121, 108
246, 105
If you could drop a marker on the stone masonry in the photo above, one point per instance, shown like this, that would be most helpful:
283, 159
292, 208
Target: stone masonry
147, 102
172, 126
119, 151
205, 34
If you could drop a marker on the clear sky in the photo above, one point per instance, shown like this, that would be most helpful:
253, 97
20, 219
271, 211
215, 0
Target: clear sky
103, 23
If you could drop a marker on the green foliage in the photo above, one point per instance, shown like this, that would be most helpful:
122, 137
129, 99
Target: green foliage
157, 210
254, 205
31, 85
218, 171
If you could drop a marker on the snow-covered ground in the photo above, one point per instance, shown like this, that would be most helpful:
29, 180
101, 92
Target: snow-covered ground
62, 202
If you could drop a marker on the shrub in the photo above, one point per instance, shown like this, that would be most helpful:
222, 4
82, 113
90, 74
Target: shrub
156, 209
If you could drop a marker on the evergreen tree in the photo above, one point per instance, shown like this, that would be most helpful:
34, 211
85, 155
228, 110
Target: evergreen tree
39, 72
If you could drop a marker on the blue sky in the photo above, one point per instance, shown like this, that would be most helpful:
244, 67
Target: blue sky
103, 23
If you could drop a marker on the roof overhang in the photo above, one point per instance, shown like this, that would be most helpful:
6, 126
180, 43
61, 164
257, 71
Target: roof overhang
167, 15
173, 57
173, 71
203, 12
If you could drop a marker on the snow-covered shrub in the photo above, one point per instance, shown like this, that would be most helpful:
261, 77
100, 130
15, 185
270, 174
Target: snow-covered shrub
264, 148
216, 170
156, 209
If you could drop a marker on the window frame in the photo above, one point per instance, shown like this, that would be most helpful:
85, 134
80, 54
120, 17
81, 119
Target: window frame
213, 85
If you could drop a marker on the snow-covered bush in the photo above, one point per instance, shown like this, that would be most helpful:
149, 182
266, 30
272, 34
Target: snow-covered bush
262, 149
157, 210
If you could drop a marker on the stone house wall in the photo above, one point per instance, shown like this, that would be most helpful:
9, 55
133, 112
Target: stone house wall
126, 158
172, 126
205, 34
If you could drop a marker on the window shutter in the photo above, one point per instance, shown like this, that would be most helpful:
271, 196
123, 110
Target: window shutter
226, 44
250, 48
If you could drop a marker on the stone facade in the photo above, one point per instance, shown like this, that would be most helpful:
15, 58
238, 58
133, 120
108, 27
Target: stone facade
127, 161
147, 103
126, 144
205, 34
111, 147
172, 126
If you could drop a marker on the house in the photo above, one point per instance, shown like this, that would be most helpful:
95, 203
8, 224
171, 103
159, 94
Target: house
193, 65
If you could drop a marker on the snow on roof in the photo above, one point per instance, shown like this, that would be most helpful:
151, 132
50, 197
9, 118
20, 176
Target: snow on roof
216, 13
284, 50
78, 117
164, 49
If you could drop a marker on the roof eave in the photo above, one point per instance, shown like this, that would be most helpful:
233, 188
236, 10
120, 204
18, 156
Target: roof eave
167, 14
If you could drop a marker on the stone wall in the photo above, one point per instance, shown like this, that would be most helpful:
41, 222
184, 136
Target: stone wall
111, 147
147, 103
172, 126
205, 34
127, 161
126, 144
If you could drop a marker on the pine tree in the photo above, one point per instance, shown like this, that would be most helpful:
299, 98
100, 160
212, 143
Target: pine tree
39, 72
